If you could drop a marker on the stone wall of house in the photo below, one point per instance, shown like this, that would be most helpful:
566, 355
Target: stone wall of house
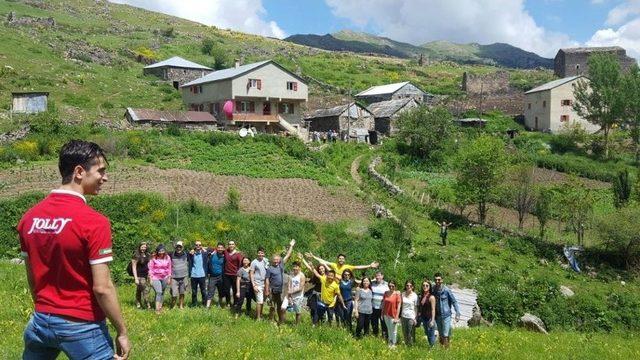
493, 83
325, 124
14, 20
181, 75
576, 62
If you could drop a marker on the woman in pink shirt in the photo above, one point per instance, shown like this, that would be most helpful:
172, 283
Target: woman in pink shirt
160, 274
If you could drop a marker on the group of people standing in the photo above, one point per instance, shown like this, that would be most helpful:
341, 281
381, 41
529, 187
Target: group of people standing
332, 291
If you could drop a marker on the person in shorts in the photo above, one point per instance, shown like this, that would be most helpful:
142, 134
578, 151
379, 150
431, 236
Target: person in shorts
274, 283
179, 272
445, 300
66, 246
258, 272
297, 281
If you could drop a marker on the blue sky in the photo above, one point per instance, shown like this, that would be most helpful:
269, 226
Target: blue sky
541, 26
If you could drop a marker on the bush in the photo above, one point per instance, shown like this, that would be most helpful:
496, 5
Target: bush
233, 199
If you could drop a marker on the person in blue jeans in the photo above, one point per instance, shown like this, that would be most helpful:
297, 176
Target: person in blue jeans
346, 289
444, 302
427, 312
197, 273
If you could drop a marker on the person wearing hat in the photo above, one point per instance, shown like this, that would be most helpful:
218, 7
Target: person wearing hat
160, 274
179, 272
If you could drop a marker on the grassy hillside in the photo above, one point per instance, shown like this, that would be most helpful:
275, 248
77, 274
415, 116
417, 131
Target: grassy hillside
201, 334
88, 59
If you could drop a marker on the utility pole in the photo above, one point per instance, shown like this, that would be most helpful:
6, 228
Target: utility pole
348, 114
481, 94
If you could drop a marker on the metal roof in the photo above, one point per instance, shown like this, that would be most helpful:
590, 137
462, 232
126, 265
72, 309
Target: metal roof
383, 89
553, 84
337, 111
30, 93
226, 73
388, 108
170, 116
179, 62
592, 49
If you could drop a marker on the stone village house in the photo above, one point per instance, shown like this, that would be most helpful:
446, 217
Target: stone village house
264, 95
386, 113
177, 70
403, 90
549, 107
351, 119
574, 61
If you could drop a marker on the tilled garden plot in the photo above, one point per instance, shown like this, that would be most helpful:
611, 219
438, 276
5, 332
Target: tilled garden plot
297, 197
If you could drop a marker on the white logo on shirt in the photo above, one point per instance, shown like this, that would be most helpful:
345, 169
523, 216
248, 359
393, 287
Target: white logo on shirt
48, 226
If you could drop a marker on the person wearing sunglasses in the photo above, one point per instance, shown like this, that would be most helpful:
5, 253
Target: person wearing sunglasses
391, 304
445, 300
427, 312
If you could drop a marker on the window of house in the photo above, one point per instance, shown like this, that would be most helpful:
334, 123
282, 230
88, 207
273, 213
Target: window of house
544, 104
285, 108
216, 108
564, 118
292, 85
566, 102
196, 89
529, 106
245, 107
254, 83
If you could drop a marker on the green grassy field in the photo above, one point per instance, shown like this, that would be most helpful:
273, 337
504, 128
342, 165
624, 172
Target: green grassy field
198, 333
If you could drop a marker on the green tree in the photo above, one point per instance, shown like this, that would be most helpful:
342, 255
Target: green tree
619, 231
543, 208
426, 133
599, 99
522, 191
621, 188
631, 93
577, 207
480, 166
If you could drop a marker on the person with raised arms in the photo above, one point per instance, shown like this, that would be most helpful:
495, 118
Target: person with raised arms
274, 283
66, 246
340, 266
329, 294
314, 293
297, 281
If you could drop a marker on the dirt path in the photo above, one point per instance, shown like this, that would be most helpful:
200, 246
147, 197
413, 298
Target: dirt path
297, 197
355, 175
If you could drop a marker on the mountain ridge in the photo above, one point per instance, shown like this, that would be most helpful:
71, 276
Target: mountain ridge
498, 54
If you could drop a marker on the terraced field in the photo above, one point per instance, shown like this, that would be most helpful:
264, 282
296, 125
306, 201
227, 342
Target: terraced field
297, 197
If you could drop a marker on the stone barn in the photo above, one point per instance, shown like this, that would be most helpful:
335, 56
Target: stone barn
403, 90
352, 119
387, 112
573, 61
177, 70
29, 102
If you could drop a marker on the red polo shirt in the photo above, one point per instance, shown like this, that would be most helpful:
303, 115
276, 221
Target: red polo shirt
62, 237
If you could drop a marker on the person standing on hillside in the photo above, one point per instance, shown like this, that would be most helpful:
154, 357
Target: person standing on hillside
297, 281
314, 293
341, 265
347, 284
140, 270
258, 271
378, 287
409, 313
243, 286
363, 307
67, 248
215, 272
160, 274
198, 274
445, 300
275, 281
233, 263
427, 312
444, 231
179, 272
329, 294
391, 304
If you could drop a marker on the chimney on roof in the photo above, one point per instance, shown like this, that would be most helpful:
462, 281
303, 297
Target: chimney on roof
237, 63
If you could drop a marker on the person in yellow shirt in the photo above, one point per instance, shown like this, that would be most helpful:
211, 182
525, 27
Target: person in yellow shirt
329, 293
340, 266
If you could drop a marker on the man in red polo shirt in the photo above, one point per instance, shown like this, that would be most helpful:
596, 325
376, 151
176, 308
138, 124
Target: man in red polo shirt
67, 248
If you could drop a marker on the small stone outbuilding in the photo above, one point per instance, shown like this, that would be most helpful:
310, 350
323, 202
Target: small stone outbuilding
177, 70
387, 112
403, 90
351, 119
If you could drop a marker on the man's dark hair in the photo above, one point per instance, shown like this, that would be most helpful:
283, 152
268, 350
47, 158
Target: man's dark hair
437, 275
342, 255
331, 271
296, 263
78, 152
260, 249
220, 243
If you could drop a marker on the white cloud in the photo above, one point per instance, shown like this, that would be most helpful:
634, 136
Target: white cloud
241, 15
624, 30
482, 21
